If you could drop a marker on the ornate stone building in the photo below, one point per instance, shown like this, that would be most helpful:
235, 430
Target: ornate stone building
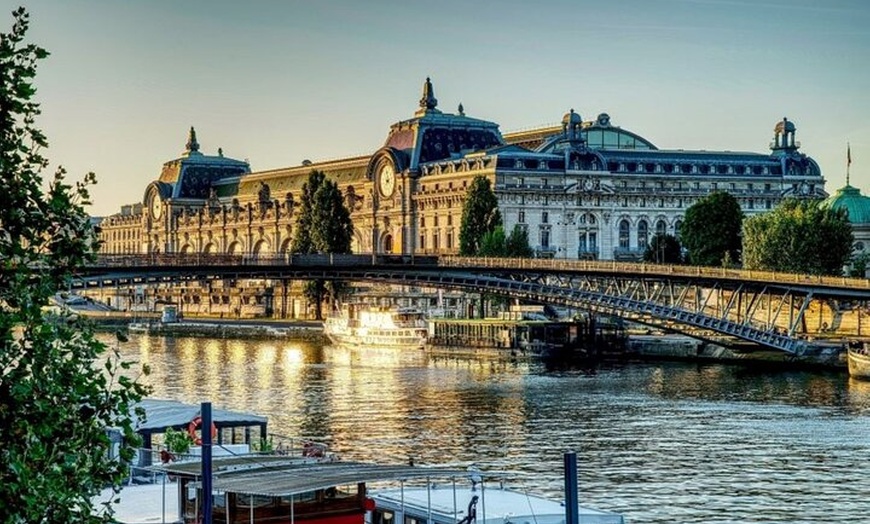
585, 189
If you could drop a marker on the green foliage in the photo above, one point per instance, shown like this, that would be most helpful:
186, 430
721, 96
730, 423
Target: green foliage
518, 244
859, 265
56, 404
177, 441
664, 249
264, 445
711, 230
323, 226
480, 215
493, 243
798, 236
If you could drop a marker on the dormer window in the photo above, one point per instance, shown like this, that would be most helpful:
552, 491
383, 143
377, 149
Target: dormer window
518, 164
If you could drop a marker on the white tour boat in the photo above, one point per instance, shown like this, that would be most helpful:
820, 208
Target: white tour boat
380, 327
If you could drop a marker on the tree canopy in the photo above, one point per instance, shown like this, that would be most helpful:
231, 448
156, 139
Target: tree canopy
711, 230
323, 226
518, 243
55, 403
664, 249
480, 215
798, 236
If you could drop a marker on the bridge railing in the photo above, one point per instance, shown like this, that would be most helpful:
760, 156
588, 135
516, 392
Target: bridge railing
612, 266
250, 259
590, 266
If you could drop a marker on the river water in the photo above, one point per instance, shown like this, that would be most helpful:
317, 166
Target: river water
657, 442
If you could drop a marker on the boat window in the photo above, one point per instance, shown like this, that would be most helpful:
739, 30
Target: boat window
414, 520
257, 501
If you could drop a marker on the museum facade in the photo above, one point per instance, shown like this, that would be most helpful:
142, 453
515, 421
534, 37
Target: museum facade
583, 189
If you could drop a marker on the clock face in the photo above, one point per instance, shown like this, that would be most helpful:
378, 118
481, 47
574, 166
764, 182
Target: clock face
156, 206
387, 180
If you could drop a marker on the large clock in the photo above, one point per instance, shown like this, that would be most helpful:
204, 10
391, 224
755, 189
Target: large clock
387, 180
156, 206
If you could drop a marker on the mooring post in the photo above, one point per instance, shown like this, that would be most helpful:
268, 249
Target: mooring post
572, 504
206, 463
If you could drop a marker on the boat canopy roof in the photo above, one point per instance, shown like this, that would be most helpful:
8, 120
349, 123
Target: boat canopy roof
281, 479
162, 414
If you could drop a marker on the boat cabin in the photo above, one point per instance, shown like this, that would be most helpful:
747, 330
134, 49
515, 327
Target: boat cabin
259, 489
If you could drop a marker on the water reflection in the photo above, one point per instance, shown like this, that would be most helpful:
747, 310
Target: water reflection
659, 442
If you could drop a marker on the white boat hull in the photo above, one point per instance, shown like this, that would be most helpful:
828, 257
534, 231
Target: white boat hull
859, 364
382, 341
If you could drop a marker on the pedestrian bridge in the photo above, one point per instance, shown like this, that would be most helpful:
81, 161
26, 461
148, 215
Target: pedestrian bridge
788, 312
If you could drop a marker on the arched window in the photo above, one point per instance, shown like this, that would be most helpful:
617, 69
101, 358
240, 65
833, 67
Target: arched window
677, 226
388, 244
661, 227
623, 234
859, 246
642, 234
260, 248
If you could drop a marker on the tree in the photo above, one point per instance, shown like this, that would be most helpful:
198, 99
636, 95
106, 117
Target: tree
480, 215
711, 230
493, 243
664, 249
55, 404
798, 236
323, 226
518, 243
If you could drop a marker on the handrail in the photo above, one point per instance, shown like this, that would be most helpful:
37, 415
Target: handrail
453, 261
612, 266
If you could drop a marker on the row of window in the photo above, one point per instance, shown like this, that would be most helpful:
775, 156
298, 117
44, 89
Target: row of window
643, 235
697, 169
679, 185
435, 238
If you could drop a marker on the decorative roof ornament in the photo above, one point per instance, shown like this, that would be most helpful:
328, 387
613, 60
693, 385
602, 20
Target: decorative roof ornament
848, 161
571, 125
428, 101
783, 136
461, 109
192, 145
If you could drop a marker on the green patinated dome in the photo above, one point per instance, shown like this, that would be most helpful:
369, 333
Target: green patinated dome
850, 199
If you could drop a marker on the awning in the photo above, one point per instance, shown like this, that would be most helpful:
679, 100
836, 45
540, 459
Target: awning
285, 480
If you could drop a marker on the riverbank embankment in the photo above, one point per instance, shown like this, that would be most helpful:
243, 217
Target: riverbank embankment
685, 348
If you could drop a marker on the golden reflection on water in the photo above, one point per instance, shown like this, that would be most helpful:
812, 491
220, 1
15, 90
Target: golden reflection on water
660, 442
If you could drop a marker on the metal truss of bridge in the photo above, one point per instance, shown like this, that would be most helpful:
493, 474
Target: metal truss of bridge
786, 312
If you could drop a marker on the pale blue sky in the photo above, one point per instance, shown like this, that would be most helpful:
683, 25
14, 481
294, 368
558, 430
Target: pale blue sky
279, 82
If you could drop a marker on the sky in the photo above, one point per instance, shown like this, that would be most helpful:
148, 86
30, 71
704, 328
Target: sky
278, 82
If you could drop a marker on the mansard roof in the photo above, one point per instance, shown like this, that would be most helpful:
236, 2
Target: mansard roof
681, 155
192, 174
432, 135
291, 179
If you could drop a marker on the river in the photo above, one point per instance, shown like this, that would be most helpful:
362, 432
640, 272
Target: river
658, 442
